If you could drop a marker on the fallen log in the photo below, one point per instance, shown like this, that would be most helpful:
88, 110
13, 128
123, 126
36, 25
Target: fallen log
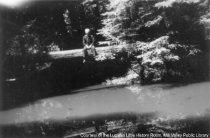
78, 52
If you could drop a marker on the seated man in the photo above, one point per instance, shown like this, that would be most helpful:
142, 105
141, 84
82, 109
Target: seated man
89, 51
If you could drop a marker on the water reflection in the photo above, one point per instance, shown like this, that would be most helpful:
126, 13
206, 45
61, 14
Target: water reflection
129, 109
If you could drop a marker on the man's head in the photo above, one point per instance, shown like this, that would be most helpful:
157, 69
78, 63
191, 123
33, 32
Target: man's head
87, 31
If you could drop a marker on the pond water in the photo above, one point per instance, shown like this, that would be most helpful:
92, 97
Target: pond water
166, 101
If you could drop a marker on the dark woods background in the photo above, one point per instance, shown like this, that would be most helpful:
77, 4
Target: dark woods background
165, 42
50, 22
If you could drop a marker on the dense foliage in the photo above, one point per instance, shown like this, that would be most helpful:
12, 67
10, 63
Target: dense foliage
168, 39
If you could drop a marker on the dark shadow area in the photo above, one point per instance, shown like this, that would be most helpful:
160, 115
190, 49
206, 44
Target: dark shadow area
60, 77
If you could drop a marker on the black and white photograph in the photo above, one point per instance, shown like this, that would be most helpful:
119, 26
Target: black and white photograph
105, 69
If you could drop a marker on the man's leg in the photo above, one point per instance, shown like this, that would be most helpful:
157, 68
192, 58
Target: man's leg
84, 52
93, 50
